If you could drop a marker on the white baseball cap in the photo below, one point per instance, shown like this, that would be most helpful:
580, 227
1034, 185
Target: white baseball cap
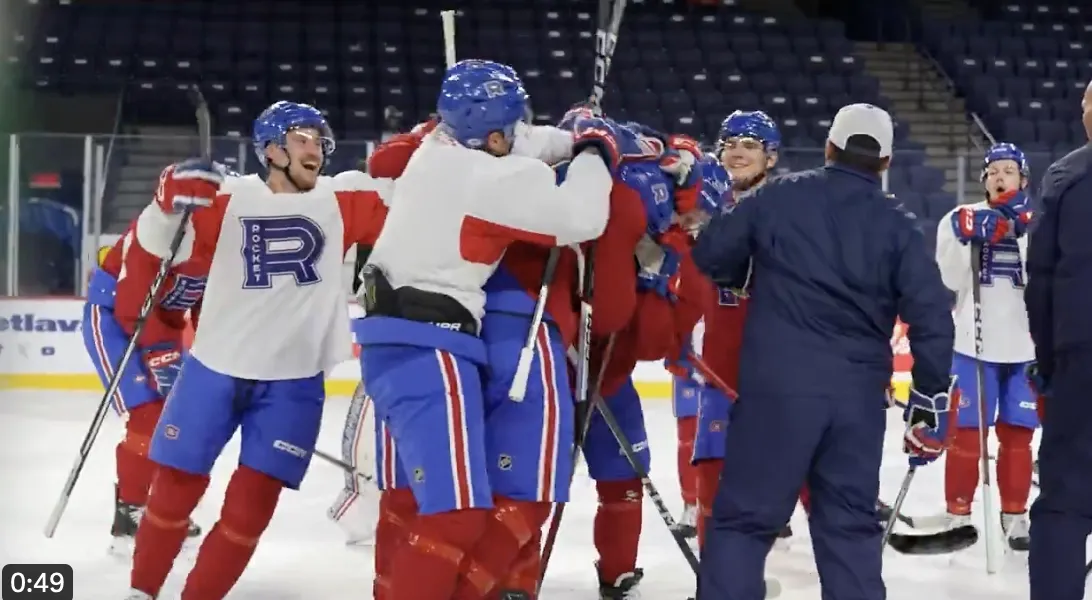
866, 120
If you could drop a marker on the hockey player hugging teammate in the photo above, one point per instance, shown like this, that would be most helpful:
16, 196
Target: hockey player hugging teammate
274, 253
996, 226
462, 200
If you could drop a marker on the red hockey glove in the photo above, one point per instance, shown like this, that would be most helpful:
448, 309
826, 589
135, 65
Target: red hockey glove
987, 226
1016, 207
190, 184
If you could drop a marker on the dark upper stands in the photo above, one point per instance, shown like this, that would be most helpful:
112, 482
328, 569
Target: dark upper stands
681, 68
1024, 69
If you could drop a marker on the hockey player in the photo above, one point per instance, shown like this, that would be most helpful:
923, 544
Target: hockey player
668, 306
115, 295
1057, 295
452, 221
277, 259
834, 261
992, 232
686, 389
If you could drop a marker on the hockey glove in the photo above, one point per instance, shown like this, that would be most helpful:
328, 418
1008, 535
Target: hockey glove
1016, 207
163, 363
987, 226
614, 142
658, 268
681, 161
1040, 386
928, 420
681, 366
189, 184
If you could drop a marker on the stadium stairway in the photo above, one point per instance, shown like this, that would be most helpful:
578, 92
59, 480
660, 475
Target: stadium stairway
146, 150
921, 99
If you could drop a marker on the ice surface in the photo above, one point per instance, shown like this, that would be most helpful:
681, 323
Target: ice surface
303, 555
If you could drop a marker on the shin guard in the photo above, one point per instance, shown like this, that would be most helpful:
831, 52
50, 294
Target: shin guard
164, 526
511, 526
961, 471
134, 468
708, 480
618, 527
427, 565
688, 473
248, 507
1014, 466
397, 509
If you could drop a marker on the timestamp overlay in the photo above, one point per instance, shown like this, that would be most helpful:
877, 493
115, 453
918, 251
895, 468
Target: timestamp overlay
37, 582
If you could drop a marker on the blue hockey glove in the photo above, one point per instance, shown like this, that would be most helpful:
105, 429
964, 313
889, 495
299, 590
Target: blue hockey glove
1039, 383
1016, 207
659, 269
163, 363
987, 226
614, 142
928, 423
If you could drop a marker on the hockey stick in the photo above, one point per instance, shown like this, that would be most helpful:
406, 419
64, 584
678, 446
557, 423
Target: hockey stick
992, 560
944, 542
204, 130
337, 462
903, 490
606, 38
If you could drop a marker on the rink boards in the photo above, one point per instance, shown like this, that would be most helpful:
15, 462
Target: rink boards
41, 347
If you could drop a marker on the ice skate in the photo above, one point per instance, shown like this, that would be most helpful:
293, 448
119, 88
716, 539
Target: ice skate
127, 521
784, 538
138, 595
624, 588
1017, 531
688, 522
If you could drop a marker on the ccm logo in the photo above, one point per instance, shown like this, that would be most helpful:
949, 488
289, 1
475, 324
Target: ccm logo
164, 359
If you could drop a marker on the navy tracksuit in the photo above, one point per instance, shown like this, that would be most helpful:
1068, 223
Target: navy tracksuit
1058, 297
830, 261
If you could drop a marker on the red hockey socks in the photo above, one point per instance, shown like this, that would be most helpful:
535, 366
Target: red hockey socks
961, 471
134, 468
688, 473
164, 527
249, 504
511, 526
527, 568
426, 566
397, 509
805, 499
618, 527
708, 480
1014, 467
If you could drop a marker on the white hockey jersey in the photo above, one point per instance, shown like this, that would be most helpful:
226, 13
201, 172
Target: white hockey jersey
1005, 335
275, 304
456, 210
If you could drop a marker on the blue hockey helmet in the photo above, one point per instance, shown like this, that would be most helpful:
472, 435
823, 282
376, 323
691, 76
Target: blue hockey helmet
753, 124
273, 125
478, 97
1005, 151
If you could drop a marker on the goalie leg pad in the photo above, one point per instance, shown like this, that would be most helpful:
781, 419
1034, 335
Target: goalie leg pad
134, 468
249, 504
164, 527
617, 528
436, 546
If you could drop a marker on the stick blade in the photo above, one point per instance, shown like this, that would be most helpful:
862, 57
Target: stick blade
944, 542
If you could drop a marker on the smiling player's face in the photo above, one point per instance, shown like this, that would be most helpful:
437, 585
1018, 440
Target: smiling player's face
304, 149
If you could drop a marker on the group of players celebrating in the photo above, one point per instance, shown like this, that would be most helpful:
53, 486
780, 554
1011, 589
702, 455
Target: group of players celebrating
464, 215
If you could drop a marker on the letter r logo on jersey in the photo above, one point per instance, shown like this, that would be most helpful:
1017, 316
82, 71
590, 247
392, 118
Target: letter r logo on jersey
281, 246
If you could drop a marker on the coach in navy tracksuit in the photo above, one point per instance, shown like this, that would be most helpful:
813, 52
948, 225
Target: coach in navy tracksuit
1058, 298
833, 261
